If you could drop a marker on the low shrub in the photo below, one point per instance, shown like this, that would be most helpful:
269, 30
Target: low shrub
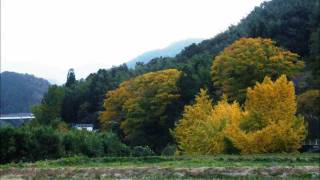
142, 151
112, 145
169, 150
31, 143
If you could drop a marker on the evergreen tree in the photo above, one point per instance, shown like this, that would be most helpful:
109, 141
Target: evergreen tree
71, 78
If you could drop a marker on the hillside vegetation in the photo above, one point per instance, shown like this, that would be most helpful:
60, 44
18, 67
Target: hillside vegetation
253, 89
19, 92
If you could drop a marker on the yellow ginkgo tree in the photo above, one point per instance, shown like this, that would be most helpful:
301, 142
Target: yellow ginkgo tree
270, 124
202, 127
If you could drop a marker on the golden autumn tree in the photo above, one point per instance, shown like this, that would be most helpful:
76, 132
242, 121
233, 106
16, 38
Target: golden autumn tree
187, 132
114, 112
249, 60
141, 108
201, 129
269, 124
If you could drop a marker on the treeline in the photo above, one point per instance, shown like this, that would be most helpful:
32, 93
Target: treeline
32, 143
292, 24
142, 110
144, 105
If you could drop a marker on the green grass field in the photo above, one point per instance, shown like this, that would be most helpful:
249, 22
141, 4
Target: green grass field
283, 166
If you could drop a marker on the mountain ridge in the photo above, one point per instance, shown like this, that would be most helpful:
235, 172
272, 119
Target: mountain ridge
20, 91
169, 51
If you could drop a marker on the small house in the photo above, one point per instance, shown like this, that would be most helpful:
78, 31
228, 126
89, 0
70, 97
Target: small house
88, 127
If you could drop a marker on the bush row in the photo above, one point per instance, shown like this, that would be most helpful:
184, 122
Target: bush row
38, 143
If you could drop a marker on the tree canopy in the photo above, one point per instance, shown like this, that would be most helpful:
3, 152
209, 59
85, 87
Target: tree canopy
202, 128
270, 124
135, 110
249, 60
267, 124
140, 108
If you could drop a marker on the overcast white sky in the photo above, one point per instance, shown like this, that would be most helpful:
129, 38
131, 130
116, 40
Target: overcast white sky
47, 37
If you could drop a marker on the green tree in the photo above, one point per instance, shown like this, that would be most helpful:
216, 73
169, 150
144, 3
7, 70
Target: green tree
71, 78
314, 58
309, 107
50, 107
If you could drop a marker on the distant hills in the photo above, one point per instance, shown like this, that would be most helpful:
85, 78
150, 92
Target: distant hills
19, 92
169, 51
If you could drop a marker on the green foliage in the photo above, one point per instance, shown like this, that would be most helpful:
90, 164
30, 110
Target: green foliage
7, 144
73, 110
43, 142
48, 143
71, 78
92, 145
142, 119
229, 161
314, 56
142, 151
71, 142
169, 150
292, 24
50, 107
101, 82
112, 146
19, 92
29, 144
309, 107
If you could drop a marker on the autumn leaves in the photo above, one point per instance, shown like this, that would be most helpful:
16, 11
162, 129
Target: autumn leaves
250, 60
251, 73
138, 108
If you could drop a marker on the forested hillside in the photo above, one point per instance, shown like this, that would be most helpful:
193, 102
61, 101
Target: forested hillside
279, 37
19, 92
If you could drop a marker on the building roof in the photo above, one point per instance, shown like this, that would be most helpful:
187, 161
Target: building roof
17, 116
83, 125
16, 119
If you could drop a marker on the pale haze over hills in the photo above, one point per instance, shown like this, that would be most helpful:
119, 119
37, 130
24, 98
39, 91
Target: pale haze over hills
46, 38
168, 51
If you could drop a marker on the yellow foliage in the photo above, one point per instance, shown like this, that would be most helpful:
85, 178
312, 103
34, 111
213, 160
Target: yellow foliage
201, 130
267, 124
140, 103
220, 118
249, 60
150, 95
273, 101
187, 132
113, 105
273, 105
